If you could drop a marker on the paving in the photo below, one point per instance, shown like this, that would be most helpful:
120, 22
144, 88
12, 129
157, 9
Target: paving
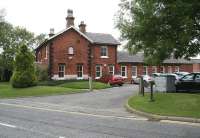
104, 102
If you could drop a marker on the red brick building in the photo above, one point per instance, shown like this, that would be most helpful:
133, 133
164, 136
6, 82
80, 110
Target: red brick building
77, 54
133, 65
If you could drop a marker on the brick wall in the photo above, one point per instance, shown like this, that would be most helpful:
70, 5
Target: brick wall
104, 62
182, 67
60, 53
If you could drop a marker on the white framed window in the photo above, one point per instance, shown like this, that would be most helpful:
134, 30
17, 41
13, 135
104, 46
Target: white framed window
154, 69
145, 70
71, 50
162, 69
124, 71
177, 69
98, 71
169, 69
111, 69
134, 71
79, 70
104, 51
61, 70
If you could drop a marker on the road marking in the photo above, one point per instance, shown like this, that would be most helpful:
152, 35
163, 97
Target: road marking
181, 123
74, 112
7, 125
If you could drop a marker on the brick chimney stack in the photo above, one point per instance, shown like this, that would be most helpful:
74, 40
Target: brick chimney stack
70, 18
82, 27
51, 33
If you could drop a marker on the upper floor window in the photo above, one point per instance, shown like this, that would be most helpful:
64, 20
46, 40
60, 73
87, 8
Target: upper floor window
104, 51
71, 50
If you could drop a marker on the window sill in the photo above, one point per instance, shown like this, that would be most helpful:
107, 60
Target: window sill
125, 77
97, 78
104, 57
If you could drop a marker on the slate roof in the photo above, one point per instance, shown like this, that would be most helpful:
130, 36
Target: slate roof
95, 38
100, 38
125, 57
196, 61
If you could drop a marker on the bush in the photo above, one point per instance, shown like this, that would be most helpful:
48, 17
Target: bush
41, 73
23, 80
24, 74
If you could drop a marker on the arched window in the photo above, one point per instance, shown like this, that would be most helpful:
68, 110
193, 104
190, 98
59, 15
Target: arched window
71, 50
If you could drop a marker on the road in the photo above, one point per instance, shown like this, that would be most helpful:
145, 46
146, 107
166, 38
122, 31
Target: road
98, 114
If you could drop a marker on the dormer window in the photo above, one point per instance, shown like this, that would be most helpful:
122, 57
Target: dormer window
71, 50
104, 52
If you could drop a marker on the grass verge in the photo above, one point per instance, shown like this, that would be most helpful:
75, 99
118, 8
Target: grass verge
85, 85
6, 91
168, 104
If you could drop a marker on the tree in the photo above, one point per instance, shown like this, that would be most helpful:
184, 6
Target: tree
24, 73
10, 40
160, 28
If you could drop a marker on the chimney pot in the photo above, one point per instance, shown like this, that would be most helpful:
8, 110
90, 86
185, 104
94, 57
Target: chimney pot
70, 18
51, 33
82, 27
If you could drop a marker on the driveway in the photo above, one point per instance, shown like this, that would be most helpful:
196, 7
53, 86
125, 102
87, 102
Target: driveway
102, 102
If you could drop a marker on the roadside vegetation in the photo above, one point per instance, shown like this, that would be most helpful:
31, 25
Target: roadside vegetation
84, 85
169, 104
7, 91
48, 88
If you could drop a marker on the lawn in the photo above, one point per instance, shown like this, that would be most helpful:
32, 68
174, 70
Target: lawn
55, 88
85, 85
170, 104
6, 91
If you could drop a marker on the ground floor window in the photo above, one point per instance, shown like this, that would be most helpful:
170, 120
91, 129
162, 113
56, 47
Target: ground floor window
154, 69
111, 69
169, 69
134, 71
79, 70
145, 70
162, 69
123, 71
177, 69
61, 70
98, 71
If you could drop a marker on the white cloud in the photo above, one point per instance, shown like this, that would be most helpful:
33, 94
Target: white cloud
39, 16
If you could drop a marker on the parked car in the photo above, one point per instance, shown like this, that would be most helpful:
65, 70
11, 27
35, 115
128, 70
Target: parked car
155, 75
181, 74
170, 74
189, 83
146, 79
112, 79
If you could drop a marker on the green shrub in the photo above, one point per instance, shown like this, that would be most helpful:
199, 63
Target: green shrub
24, 74
41, 73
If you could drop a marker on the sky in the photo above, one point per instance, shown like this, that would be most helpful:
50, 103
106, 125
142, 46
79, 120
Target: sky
39, 16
